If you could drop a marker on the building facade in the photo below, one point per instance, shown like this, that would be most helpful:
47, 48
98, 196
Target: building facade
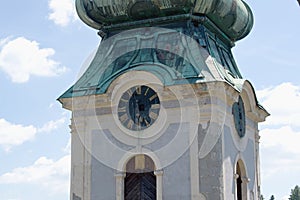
162, 111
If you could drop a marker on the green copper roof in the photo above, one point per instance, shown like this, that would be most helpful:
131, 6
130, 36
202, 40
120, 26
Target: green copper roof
173, 57
131, 50
233, 17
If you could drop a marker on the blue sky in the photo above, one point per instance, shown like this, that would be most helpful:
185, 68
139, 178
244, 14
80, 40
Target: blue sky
42, 48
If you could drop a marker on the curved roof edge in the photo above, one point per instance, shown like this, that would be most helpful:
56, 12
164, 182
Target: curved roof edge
242, 85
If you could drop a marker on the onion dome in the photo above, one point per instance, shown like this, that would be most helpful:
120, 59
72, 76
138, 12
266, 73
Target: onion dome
232, 17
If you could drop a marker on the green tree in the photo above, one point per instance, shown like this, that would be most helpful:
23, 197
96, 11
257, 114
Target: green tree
272, 197
262, 197
295, 193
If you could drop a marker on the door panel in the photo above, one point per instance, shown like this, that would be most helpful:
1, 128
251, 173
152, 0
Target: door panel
140, 186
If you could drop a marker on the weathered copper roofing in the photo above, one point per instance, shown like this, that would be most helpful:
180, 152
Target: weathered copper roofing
233, 17
171, 56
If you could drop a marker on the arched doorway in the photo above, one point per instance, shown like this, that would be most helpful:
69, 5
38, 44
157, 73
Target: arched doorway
241, 181
140, 180
238, 183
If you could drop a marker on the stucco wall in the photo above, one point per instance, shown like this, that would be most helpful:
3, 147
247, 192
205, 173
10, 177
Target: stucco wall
176, 179
211, 172
103, 184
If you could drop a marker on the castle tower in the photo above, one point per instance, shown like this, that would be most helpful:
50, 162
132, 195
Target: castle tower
162, 112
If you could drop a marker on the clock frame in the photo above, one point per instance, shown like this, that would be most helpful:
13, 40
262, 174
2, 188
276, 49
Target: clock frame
238, 111
138, 108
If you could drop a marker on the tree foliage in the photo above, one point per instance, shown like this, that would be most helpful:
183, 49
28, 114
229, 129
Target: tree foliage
295, 193
272, 197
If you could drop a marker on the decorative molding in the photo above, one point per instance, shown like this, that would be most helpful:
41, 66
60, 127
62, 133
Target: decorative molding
159, 172
236, 176
246, 179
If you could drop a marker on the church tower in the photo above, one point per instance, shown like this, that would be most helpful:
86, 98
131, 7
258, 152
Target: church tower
162, 111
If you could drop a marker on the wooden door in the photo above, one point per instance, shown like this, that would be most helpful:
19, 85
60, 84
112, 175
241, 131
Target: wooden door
140, 186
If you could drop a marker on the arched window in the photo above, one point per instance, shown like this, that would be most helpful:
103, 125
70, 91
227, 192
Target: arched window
140, 180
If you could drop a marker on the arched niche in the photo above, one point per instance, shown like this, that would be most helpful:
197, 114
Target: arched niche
140, 175
140, 180
241, 182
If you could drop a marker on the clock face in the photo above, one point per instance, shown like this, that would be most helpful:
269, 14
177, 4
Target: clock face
238, 112
138, 108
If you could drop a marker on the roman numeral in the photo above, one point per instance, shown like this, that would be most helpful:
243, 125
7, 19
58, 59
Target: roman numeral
129, 92
138, 90
155, 106
153, 97
153, 115
124, 100
130, 124
146, 92
147, 123
122, 109
123, 118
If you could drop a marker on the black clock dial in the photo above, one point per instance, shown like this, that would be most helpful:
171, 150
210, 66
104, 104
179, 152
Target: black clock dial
238, 112
138, 108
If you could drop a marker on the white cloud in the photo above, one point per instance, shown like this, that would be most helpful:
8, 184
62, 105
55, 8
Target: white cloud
20, 58
286, 197
53, 175
280, 148
15, 134
62, 11
280, 159
284, 138
280, 136
283, 102
4, 41
52, 125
